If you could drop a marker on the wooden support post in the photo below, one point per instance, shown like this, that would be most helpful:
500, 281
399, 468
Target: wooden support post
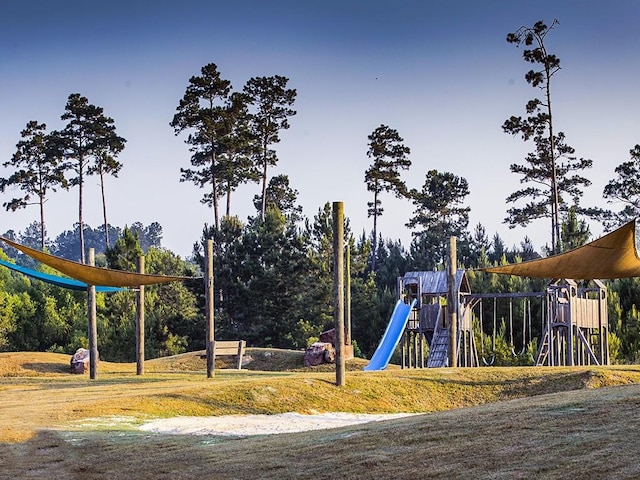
93, 335
571, 321
347, 306
338, 289
140, 322
600, 329
548, 324
452, 304
209, 307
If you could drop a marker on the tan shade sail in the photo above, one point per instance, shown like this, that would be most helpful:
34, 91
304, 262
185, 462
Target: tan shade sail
611, 256
93, 275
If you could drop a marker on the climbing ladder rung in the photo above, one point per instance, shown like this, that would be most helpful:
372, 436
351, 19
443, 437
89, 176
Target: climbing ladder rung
438, 353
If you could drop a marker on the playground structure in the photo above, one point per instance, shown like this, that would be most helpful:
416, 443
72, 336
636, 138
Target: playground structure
428, 320
569, 321
573, 318
576, 331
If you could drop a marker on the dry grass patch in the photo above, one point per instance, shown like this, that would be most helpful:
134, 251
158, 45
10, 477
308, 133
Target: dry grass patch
586, 433
492, 422
259, 359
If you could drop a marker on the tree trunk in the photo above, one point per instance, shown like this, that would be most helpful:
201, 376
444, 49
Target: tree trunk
375, 231
228, 200
80, 198
264, 188
264, 178
214, 189
42, 229
104, 211
555, 223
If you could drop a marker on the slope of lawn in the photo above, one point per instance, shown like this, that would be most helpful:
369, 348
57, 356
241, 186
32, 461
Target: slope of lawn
478, 423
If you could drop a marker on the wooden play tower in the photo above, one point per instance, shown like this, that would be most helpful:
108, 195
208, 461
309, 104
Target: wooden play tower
428, 324
574, 321
576, 330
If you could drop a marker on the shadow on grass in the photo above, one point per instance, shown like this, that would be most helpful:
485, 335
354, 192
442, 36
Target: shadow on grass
46, 367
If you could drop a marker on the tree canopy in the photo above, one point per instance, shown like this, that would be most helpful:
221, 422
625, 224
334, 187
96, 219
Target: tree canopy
271, 103
201, 112
88, 136
37, 170
551, 169
624, 189
390, 156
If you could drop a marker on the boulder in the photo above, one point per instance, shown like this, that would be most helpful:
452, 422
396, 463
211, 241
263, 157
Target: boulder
319, 353
328, 336
80, 361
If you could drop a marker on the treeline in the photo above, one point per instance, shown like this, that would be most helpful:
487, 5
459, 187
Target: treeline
273, 287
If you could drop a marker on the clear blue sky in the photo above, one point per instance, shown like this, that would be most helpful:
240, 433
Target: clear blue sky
441, 73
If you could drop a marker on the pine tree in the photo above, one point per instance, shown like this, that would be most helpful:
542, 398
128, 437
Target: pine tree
390, 156
440, 212
37, 170
625, 189
201, 111
89, 135
550, 169
271, 101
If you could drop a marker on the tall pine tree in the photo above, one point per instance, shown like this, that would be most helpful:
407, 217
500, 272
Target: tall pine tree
37, 170
390, 156
88, 135
551, 169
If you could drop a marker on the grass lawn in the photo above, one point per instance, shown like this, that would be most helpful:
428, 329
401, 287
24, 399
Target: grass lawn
477, 423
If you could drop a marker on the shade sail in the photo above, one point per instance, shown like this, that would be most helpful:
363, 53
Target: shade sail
63, 282
93, 275
612, 256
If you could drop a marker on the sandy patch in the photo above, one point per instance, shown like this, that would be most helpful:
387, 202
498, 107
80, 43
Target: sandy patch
244, 425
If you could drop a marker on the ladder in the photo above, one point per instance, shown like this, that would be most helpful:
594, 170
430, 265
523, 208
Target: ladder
439, 349
543, 350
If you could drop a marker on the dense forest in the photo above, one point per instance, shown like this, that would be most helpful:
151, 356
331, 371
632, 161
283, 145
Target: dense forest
273, 270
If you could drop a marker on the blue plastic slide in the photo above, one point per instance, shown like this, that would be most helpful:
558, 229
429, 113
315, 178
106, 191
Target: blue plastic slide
391, 336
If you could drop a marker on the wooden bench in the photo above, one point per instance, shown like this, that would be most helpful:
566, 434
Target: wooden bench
230, 348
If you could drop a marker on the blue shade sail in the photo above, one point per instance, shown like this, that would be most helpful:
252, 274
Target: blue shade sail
63, 282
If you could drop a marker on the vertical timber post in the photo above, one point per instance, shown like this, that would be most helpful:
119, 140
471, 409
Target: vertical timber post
93, 335
140, 322
347, 304
338, 289
209, 307
452, 304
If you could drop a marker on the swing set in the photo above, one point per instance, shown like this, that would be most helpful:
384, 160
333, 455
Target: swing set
567, 324
497, 305
572, 319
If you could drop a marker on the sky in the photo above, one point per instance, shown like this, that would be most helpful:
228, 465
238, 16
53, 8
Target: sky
440, 73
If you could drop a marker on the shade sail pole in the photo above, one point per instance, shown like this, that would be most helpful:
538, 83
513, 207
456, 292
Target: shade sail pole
338, 290
140, 322
452, 304
93, 334
209, 307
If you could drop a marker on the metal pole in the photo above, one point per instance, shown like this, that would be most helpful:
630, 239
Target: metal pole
452, 304
140, 322
93, 336
209, 306
338, 289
